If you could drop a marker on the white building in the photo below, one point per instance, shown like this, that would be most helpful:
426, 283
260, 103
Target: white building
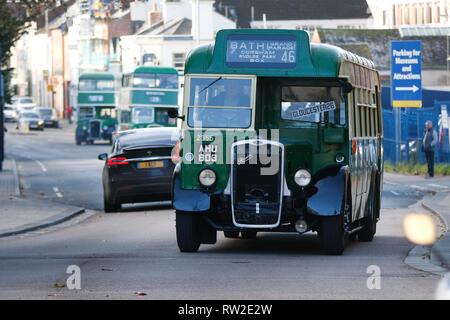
172, 30
392, 14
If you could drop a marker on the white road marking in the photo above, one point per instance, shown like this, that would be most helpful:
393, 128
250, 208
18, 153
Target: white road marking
418, 187
57, 192
43, 168
390, 182
395, 193
439, 186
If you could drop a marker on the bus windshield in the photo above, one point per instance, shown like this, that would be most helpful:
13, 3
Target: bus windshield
220, 103
85, 112
155, 80
143, 115
313, 104
96, 85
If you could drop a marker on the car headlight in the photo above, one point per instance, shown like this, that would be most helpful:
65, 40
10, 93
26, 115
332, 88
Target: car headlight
105, 128
207, 177
40, 122
302, 177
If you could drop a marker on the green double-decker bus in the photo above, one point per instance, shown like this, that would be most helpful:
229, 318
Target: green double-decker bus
146, 96
279, 135
96, 107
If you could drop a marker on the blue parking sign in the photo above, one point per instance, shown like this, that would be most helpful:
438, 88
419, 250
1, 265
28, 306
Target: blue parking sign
406, 74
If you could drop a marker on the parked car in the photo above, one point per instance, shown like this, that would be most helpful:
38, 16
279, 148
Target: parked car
49, 116
24, 103
31, 118
139, 168
9, 113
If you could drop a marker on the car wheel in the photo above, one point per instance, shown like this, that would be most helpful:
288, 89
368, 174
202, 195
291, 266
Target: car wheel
111, 206
188, 231
248, 234
231, 234
77, 141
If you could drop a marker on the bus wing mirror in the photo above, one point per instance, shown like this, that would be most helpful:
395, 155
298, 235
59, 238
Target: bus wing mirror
173, 114
347, 87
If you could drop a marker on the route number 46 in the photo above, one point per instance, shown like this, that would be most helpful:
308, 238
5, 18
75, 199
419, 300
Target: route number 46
288, 57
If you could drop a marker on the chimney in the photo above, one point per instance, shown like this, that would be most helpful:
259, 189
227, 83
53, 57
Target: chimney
155, 15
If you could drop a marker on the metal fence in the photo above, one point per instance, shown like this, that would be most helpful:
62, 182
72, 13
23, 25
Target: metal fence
412, 128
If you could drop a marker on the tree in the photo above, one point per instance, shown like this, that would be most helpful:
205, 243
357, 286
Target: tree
15, 19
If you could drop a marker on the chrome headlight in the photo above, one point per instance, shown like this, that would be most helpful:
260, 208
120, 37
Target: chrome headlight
340, 158
207, 177
302, 177
40, 122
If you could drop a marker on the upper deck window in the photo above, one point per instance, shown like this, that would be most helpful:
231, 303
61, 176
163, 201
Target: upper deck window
220, 103
155, 80
96, 85
313, 104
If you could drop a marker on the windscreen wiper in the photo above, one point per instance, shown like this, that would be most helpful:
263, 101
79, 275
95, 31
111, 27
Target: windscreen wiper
209, 85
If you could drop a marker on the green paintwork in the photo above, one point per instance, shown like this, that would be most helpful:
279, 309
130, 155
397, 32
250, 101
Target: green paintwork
137, 97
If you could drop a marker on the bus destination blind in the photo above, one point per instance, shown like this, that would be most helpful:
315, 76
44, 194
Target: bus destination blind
251, 51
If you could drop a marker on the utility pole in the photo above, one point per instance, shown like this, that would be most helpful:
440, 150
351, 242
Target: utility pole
2, 128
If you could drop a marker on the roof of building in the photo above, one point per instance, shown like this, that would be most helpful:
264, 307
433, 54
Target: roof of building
181, 26
295, 10
434, 49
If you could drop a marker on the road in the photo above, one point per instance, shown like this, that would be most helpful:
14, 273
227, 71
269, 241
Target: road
135, 250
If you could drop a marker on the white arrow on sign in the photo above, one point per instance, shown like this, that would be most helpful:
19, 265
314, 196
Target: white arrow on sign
414, 89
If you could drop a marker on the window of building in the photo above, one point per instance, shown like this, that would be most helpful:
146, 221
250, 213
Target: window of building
178, 60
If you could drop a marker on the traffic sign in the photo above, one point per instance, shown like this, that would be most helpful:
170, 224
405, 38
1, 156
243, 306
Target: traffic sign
406, 74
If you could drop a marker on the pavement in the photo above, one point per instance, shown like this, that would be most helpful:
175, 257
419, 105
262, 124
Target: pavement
436, 258
19, 213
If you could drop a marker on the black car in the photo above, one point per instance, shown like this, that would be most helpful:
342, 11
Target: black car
49, 116
139, 168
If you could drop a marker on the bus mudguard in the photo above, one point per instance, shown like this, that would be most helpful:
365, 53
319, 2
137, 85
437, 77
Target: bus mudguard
188, 200
327, 201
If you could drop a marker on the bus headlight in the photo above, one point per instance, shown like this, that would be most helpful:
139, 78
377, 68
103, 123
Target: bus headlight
302, 177
207, 177
340, 158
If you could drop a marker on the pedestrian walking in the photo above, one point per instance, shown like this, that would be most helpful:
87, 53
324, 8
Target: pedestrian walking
69, 114
428, 145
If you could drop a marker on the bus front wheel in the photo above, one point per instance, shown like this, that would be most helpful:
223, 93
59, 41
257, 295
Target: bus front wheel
188, 231
367, 233
332, 235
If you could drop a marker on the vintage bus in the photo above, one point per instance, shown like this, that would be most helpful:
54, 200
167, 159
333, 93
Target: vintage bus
96, 107
278, 135
146, 95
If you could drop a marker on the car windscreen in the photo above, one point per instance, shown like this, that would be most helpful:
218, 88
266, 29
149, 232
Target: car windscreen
30, 115
313, 104
26, 100
46, 112
220, 102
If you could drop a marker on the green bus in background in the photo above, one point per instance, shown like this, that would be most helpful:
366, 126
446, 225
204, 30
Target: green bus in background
279, 135
96, 107
146, 96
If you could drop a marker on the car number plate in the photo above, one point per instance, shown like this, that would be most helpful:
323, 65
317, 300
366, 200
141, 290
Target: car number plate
150, 164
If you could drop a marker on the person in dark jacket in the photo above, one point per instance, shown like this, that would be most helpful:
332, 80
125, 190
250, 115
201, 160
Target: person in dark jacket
429, 143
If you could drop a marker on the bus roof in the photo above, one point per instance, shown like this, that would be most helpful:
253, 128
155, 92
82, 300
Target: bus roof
311, 59
155, 69
97, 76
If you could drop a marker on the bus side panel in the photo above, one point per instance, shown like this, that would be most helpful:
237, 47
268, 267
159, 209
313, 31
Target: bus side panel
331, 190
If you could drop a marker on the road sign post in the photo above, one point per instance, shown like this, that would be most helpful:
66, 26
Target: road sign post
406, 82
